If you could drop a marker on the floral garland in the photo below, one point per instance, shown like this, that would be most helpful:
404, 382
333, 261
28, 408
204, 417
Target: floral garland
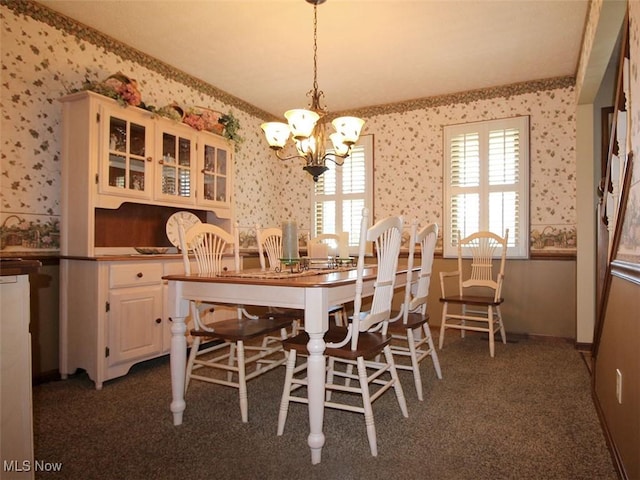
126, 92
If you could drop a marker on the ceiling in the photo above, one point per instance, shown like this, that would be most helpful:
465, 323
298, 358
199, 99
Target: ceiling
370, 52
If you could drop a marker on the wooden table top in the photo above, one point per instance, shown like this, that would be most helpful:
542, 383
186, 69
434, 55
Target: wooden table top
305, 279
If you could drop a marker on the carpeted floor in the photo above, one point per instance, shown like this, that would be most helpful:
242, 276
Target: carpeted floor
525, 414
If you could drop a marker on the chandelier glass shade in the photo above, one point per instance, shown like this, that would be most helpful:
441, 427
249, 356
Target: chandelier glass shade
308, 127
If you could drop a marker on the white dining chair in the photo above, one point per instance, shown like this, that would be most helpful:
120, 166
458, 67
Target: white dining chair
409, 327
222, 345
358, 344
270, 255
478, 295
333, 241
270, 252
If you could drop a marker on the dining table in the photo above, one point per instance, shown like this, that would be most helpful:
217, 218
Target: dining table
312, 290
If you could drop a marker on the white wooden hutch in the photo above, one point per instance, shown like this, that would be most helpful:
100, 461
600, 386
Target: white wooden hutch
125, 171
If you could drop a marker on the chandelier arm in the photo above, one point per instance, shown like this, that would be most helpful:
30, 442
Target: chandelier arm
327, 156
277, 152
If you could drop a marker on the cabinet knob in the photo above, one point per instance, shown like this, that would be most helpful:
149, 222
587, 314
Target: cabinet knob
149, 159
140, 275
158, 321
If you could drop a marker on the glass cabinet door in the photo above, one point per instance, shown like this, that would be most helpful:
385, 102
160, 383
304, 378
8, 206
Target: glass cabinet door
176, 166
127, 166
215, 174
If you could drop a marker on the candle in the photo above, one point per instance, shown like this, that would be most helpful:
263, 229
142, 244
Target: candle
311, 249
289, 240
318, 250
343, 246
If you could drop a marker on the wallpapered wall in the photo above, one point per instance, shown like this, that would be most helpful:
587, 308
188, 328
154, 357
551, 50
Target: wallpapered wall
45, 55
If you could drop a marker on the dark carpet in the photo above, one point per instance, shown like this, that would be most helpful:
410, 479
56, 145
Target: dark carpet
525, 414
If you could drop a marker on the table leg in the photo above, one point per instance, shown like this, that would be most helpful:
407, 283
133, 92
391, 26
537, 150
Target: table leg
178, 361
316, 378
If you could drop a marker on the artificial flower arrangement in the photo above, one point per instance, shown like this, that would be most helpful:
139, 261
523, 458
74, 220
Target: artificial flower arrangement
119, 87
126, 92
202, 118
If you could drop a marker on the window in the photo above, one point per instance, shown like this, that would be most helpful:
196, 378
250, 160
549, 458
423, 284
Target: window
341, 193
486, 182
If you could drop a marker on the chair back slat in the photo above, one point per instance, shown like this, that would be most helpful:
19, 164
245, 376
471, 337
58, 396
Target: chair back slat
332, 240
484, 248
209, 244
387, 237
269, 242
426, 238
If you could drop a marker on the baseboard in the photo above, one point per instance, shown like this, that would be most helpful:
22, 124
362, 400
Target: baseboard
584, 347
46, 377
514, 337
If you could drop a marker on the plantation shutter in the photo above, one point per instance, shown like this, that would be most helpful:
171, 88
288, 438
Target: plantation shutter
465, 184
486, 182
503, 175
343, 191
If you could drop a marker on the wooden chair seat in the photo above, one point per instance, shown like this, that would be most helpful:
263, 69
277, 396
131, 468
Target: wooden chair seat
369, 344
243, 329
477, 300
414, 320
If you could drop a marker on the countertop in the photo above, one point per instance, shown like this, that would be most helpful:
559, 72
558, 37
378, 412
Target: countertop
18, 266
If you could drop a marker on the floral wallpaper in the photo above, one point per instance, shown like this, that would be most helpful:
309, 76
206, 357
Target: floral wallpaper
416, 155
45, 56
408, 145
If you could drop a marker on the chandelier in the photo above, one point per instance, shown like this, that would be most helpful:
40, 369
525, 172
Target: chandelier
308, 126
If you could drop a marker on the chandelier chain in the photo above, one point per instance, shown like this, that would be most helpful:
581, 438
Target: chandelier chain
315, 48
309, 128
315, 93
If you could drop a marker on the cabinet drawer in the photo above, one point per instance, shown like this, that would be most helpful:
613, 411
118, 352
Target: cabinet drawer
131, 275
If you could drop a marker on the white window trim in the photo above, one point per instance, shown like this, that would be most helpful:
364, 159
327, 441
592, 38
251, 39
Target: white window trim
366, 142
518, 247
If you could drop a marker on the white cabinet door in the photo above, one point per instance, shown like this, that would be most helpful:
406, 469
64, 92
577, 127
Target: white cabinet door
176, 163
125, 153
215, 172
135, 324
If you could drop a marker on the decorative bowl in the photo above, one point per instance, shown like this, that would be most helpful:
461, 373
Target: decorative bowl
151, 250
